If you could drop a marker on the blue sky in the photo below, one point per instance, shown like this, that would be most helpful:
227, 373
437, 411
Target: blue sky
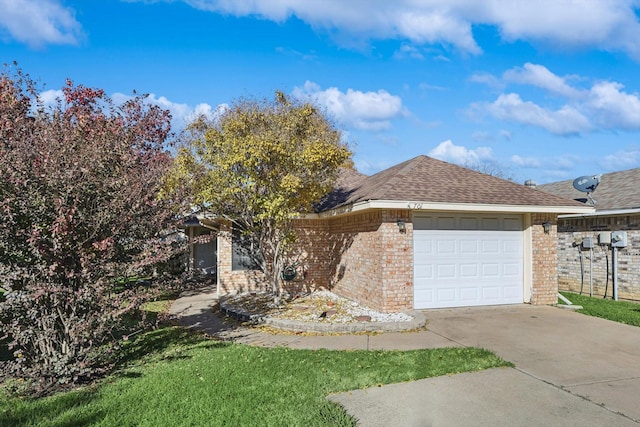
545, 90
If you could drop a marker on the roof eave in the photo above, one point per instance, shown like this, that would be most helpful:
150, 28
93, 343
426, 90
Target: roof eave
416, 205
607, 212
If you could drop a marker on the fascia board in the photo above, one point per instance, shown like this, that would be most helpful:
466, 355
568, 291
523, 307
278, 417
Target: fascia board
455, 207
609, 212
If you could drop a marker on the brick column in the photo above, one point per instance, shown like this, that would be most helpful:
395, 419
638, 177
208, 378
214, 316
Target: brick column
545, 260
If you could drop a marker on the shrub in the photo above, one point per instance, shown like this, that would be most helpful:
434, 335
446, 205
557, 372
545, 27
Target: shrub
79, 208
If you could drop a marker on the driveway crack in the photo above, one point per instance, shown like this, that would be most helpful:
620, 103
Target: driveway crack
586, 399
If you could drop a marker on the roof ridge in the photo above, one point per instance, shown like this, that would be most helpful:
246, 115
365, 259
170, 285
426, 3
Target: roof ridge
402, 171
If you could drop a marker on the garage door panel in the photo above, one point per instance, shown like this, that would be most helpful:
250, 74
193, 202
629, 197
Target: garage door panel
467, 260
513, 247
512, 292
490, 246
490, 293
445, 223
469, 247
490, 270
469, 294
468, 223
445, 271
426, 296
446, 295
469, 271
512, 224
423, 271
490, 224
512, 270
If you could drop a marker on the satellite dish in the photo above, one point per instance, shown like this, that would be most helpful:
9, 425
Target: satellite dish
587, 184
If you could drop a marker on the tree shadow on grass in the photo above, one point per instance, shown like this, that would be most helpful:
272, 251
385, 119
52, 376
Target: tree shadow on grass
155, 345
73, 408
50, 411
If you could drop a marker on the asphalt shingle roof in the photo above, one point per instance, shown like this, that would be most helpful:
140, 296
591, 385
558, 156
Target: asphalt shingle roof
617, 190
428, 180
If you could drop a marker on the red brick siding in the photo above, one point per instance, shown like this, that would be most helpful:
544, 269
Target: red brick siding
545, 260
235, 281
371, 261
397, 261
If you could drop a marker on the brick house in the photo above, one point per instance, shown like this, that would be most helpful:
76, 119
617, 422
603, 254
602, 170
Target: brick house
617, 208
421, 234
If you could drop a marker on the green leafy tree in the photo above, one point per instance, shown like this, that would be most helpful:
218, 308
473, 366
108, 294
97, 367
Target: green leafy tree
78, 201
261, 165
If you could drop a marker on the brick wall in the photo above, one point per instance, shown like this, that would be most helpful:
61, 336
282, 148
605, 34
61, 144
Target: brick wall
363, 257
366, 258
235, 281
397, 261
357, 253
544, 289
576, 264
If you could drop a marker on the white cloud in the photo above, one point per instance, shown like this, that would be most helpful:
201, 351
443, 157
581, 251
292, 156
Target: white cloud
461, 155
614, 108
427, 86
182, 114
408, 51
510, 107
38, 22
526, 162
508, 135
482, 136
50, 97
623, 159
487, 79
540, 76
368, 168
362, 110
603, 106
602, 24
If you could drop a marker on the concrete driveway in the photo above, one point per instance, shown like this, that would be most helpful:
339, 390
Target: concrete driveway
571, 369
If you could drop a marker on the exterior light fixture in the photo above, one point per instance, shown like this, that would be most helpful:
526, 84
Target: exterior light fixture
402, 227
546, 226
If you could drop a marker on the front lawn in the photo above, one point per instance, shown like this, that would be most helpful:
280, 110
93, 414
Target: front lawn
178, 378
618, 311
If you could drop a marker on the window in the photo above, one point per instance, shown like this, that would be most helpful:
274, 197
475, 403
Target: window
241, 250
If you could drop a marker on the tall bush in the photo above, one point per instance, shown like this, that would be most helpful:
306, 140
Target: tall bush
78, 206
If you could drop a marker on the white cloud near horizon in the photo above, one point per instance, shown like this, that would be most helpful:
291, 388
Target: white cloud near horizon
526, 162
461, 155
626, 158
600, 24
50, 97
372, 111
37, 23
603, 106
182, 114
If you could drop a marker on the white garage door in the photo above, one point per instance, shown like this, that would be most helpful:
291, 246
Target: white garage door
467, 260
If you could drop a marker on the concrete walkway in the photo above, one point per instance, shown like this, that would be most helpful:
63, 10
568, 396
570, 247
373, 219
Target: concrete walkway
571, 369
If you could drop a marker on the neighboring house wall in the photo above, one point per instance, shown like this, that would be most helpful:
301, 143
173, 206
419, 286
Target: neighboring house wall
574, 263
544, 289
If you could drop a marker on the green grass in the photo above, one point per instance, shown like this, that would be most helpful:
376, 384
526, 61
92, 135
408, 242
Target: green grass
618, 311
175, 378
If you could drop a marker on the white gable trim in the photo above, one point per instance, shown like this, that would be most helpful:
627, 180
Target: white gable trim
455, 207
